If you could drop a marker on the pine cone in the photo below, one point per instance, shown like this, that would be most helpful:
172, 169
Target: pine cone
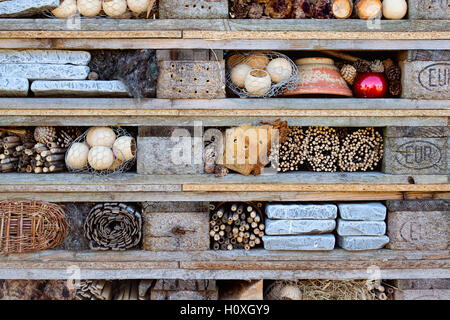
348, 73
44, 134
278, 9
377, 66
239, 9
387, 63
323, 10
302, 9
361, 66
395, 88
256, 11
394, 73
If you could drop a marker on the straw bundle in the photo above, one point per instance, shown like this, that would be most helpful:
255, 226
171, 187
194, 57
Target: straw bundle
115, 226
30, 225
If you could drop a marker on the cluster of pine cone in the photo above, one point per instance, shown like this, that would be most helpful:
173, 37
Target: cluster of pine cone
391, 70
281, 9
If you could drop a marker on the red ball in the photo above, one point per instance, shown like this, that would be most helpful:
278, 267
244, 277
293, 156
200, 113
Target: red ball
370, 85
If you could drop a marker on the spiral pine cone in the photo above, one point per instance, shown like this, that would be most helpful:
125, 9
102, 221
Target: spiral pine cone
45, 134
395, 88
394, 73
377, 66
348, 73
361, 66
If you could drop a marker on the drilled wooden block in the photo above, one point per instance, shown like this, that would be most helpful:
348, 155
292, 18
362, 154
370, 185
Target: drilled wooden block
191, 80
169, 150
424, 156
429, 9
426, 79
423, 230
193, 9
176, 231
422, 284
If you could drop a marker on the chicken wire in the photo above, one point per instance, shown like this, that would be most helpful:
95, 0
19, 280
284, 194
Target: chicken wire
276, 89
123, 167
128, 14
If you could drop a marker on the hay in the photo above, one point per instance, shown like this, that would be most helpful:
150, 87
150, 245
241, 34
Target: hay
324, 290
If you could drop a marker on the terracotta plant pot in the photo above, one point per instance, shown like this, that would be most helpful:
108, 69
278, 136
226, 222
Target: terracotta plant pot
319, 76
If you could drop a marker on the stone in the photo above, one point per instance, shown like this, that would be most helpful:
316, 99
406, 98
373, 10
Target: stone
79, 58
429, 9
300, 243
426, 230
81, 88
14, 87
291, 227
426, 79
44, 71
436, 294
25, 8
421, 156
362, 243
360, 228
176, 231
164, 155
193, 9
419, 205
370, 211
301, 211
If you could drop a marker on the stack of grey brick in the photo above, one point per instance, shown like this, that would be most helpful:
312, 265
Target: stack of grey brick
362, 226
300, 227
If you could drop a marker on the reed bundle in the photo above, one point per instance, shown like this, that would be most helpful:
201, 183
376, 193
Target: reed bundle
237, 225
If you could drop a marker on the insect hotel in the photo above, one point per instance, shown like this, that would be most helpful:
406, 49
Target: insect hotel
227, 149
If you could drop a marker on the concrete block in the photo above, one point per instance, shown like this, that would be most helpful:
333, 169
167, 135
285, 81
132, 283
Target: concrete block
291, 227
360, 228
362, 243
301, 211
371, 211
14, 87
25, 8
300, 243
44, 71
79, 88
79, 58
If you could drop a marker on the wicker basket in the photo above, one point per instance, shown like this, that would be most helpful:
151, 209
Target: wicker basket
30, 226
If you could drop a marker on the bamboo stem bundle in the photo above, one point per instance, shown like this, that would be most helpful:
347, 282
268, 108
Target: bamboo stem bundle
361, 151
291, 153
322, 148
230, 229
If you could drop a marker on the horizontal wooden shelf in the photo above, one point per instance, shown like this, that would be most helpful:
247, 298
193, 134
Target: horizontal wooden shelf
237, 264
223, 112
241, 25
299, 186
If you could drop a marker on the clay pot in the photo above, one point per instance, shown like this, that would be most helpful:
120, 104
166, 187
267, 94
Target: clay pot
319, 76
257, 82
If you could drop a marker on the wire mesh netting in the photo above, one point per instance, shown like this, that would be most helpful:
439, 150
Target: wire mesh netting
102, 151
260, 74
118, 9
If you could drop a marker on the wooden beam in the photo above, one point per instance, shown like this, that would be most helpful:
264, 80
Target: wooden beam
112, 34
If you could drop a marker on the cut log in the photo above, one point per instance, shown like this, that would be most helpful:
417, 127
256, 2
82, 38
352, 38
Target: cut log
342, 9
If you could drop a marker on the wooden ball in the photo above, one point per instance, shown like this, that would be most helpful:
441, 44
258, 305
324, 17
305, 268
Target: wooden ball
100, 158
239, 73
77, 155
257, 82
138, 6
124, 148
257, 60
394, 9
100, 136
89, 8
279, 69
66, 9
114, 8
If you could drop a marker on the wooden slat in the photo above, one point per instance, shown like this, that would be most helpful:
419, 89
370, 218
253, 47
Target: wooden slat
322, 35
237, 44
238, 264
113, 34
226, 24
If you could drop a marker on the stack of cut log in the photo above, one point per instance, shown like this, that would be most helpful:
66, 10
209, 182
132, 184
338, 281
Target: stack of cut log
236, 226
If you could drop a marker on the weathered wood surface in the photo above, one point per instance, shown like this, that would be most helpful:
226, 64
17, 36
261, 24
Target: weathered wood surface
235, 44
225, 25
429, 9
238, 264
193, 9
